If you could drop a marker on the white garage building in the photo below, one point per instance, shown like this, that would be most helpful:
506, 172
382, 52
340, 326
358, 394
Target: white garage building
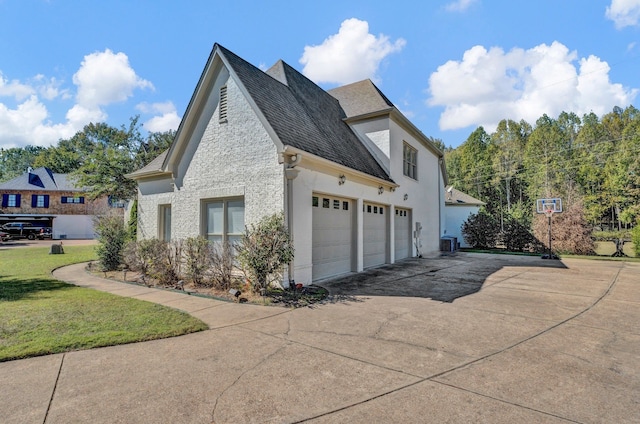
353, 176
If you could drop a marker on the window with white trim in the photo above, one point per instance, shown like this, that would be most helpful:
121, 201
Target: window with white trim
69, 199
410, 161
224, 220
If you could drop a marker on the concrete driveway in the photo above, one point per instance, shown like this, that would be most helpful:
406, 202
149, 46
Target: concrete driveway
465, 338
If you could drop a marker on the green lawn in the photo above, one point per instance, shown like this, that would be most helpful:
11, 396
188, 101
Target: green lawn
40, 315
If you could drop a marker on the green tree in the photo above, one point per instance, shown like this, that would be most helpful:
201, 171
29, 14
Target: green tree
15, 161
115, 152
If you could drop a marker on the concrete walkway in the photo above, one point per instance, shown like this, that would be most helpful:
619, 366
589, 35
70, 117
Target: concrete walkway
467, 338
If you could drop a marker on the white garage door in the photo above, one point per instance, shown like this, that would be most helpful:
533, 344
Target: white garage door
332, 236
402, 242
375, 235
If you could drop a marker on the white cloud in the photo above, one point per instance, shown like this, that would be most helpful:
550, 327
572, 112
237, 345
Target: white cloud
487, 86
459, 5
14, 89
167, 118
624, 13
353, 54
103, 78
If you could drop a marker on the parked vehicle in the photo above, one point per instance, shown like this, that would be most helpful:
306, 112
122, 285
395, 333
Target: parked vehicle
4, 236
19, 230
45, 233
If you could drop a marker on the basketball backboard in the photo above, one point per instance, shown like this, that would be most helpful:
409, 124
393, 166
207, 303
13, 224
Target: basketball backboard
549, 206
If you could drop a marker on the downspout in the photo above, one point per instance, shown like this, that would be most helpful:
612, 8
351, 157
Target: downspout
290, 174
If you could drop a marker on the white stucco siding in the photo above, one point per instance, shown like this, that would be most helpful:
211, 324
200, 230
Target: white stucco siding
424, 194
375, 134
455, 217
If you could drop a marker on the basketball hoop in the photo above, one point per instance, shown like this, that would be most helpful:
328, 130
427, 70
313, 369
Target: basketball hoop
549, 213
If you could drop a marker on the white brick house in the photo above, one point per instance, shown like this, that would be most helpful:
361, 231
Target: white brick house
352, 175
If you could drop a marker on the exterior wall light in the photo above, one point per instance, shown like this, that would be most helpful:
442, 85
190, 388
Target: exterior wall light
380, 190
341, 179
406, 196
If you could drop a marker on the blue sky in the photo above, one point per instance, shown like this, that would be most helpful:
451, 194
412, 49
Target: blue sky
448, 65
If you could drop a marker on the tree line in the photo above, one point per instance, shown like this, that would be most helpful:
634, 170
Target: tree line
98, 157
592, 163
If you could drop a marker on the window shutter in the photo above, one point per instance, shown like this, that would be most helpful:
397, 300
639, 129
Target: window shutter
5, 200
63, 199
82, 199
17, 200
34, 200
46, 201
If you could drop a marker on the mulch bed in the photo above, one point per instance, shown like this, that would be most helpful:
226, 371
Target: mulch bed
294, 298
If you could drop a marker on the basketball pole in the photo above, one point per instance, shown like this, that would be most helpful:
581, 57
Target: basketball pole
550, 255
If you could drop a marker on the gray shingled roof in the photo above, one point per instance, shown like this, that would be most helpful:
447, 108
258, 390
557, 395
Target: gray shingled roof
361, 98
154, 166
40, 179
303, 115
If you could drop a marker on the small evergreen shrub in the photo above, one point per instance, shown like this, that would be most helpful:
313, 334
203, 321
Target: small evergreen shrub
112, 236
516, 237
481, 230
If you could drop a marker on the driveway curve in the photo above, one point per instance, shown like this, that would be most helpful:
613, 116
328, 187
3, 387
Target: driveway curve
463, 338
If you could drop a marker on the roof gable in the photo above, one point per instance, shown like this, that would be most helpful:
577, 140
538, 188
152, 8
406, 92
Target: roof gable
361, 98
296, 111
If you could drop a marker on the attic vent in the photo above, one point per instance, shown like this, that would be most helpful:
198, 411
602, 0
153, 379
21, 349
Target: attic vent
223, 104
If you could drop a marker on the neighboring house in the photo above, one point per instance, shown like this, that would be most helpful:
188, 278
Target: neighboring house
47, 199
459, 206
352, 175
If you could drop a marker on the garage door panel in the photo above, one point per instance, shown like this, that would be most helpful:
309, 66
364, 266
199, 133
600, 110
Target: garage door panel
332, 237
402, 242
375, 235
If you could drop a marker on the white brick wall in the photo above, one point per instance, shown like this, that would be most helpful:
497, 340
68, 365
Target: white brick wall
236, 158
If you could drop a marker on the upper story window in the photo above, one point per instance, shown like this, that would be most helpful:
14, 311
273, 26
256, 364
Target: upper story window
40, 201
223, 104
69, 199
10, 200
410, 161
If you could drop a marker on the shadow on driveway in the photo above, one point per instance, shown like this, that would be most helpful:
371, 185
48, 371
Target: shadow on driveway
444, 278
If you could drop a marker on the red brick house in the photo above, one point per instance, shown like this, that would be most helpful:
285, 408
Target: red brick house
44, 198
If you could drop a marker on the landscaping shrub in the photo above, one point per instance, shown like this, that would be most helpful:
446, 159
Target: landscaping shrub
112, 235
197, 259
635, 238
132, 225
481, 230
264, 250
155, 259
516, 237
222, 265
